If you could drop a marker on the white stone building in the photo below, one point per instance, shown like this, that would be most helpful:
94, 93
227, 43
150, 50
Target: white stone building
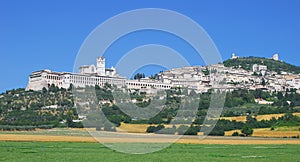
294, 83
146, 84
44, 78
89, 75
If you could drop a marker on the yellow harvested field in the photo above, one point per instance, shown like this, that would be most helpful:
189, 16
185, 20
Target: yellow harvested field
186, 140
237, 118
259, 117
133, 128
266, 132
139, 128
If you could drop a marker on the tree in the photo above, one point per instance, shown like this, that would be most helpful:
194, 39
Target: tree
280, 96
70, 87
138, 76
263, 82
206, 71
192, 130
153, 129
218, 130
44, 90
247, 130
235, 134
53, 88
70, 117
182, 129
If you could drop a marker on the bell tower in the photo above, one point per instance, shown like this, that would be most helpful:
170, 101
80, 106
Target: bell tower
101, 65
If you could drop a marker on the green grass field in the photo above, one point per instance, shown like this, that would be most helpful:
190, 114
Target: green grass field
66, 151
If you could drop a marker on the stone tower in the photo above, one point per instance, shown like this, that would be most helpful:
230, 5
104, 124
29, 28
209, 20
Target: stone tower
101, 66
276, 57
233, 56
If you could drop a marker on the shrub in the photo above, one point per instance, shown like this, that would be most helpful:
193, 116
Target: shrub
182, 129
247, 130
153, 129
150, 129
235, 134
98, 128
217, 132
192, 131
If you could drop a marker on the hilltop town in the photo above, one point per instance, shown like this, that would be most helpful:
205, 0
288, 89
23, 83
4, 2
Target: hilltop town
254, 86
227, 76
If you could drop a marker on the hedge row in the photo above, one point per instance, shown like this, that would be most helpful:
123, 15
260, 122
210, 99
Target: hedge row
23, 128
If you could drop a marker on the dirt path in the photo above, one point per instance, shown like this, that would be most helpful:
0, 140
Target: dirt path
186, 140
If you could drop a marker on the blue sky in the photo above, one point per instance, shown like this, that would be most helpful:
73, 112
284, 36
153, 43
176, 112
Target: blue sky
36, 35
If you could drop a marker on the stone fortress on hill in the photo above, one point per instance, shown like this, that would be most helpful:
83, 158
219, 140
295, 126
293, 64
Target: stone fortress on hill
197, 78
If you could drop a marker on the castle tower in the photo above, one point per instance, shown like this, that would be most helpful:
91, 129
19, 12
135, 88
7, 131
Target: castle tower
101, 66
276, 57
233, 56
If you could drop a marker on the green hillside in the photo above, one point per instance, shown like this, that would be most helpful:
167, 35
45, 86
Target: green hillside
273, 65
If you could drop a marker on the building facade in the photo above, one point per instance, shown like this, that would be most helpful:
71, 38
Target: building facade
45, 78
90, 75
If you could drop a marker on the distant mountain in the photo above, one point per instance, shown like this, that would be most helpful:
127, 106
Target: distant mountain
273, 65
